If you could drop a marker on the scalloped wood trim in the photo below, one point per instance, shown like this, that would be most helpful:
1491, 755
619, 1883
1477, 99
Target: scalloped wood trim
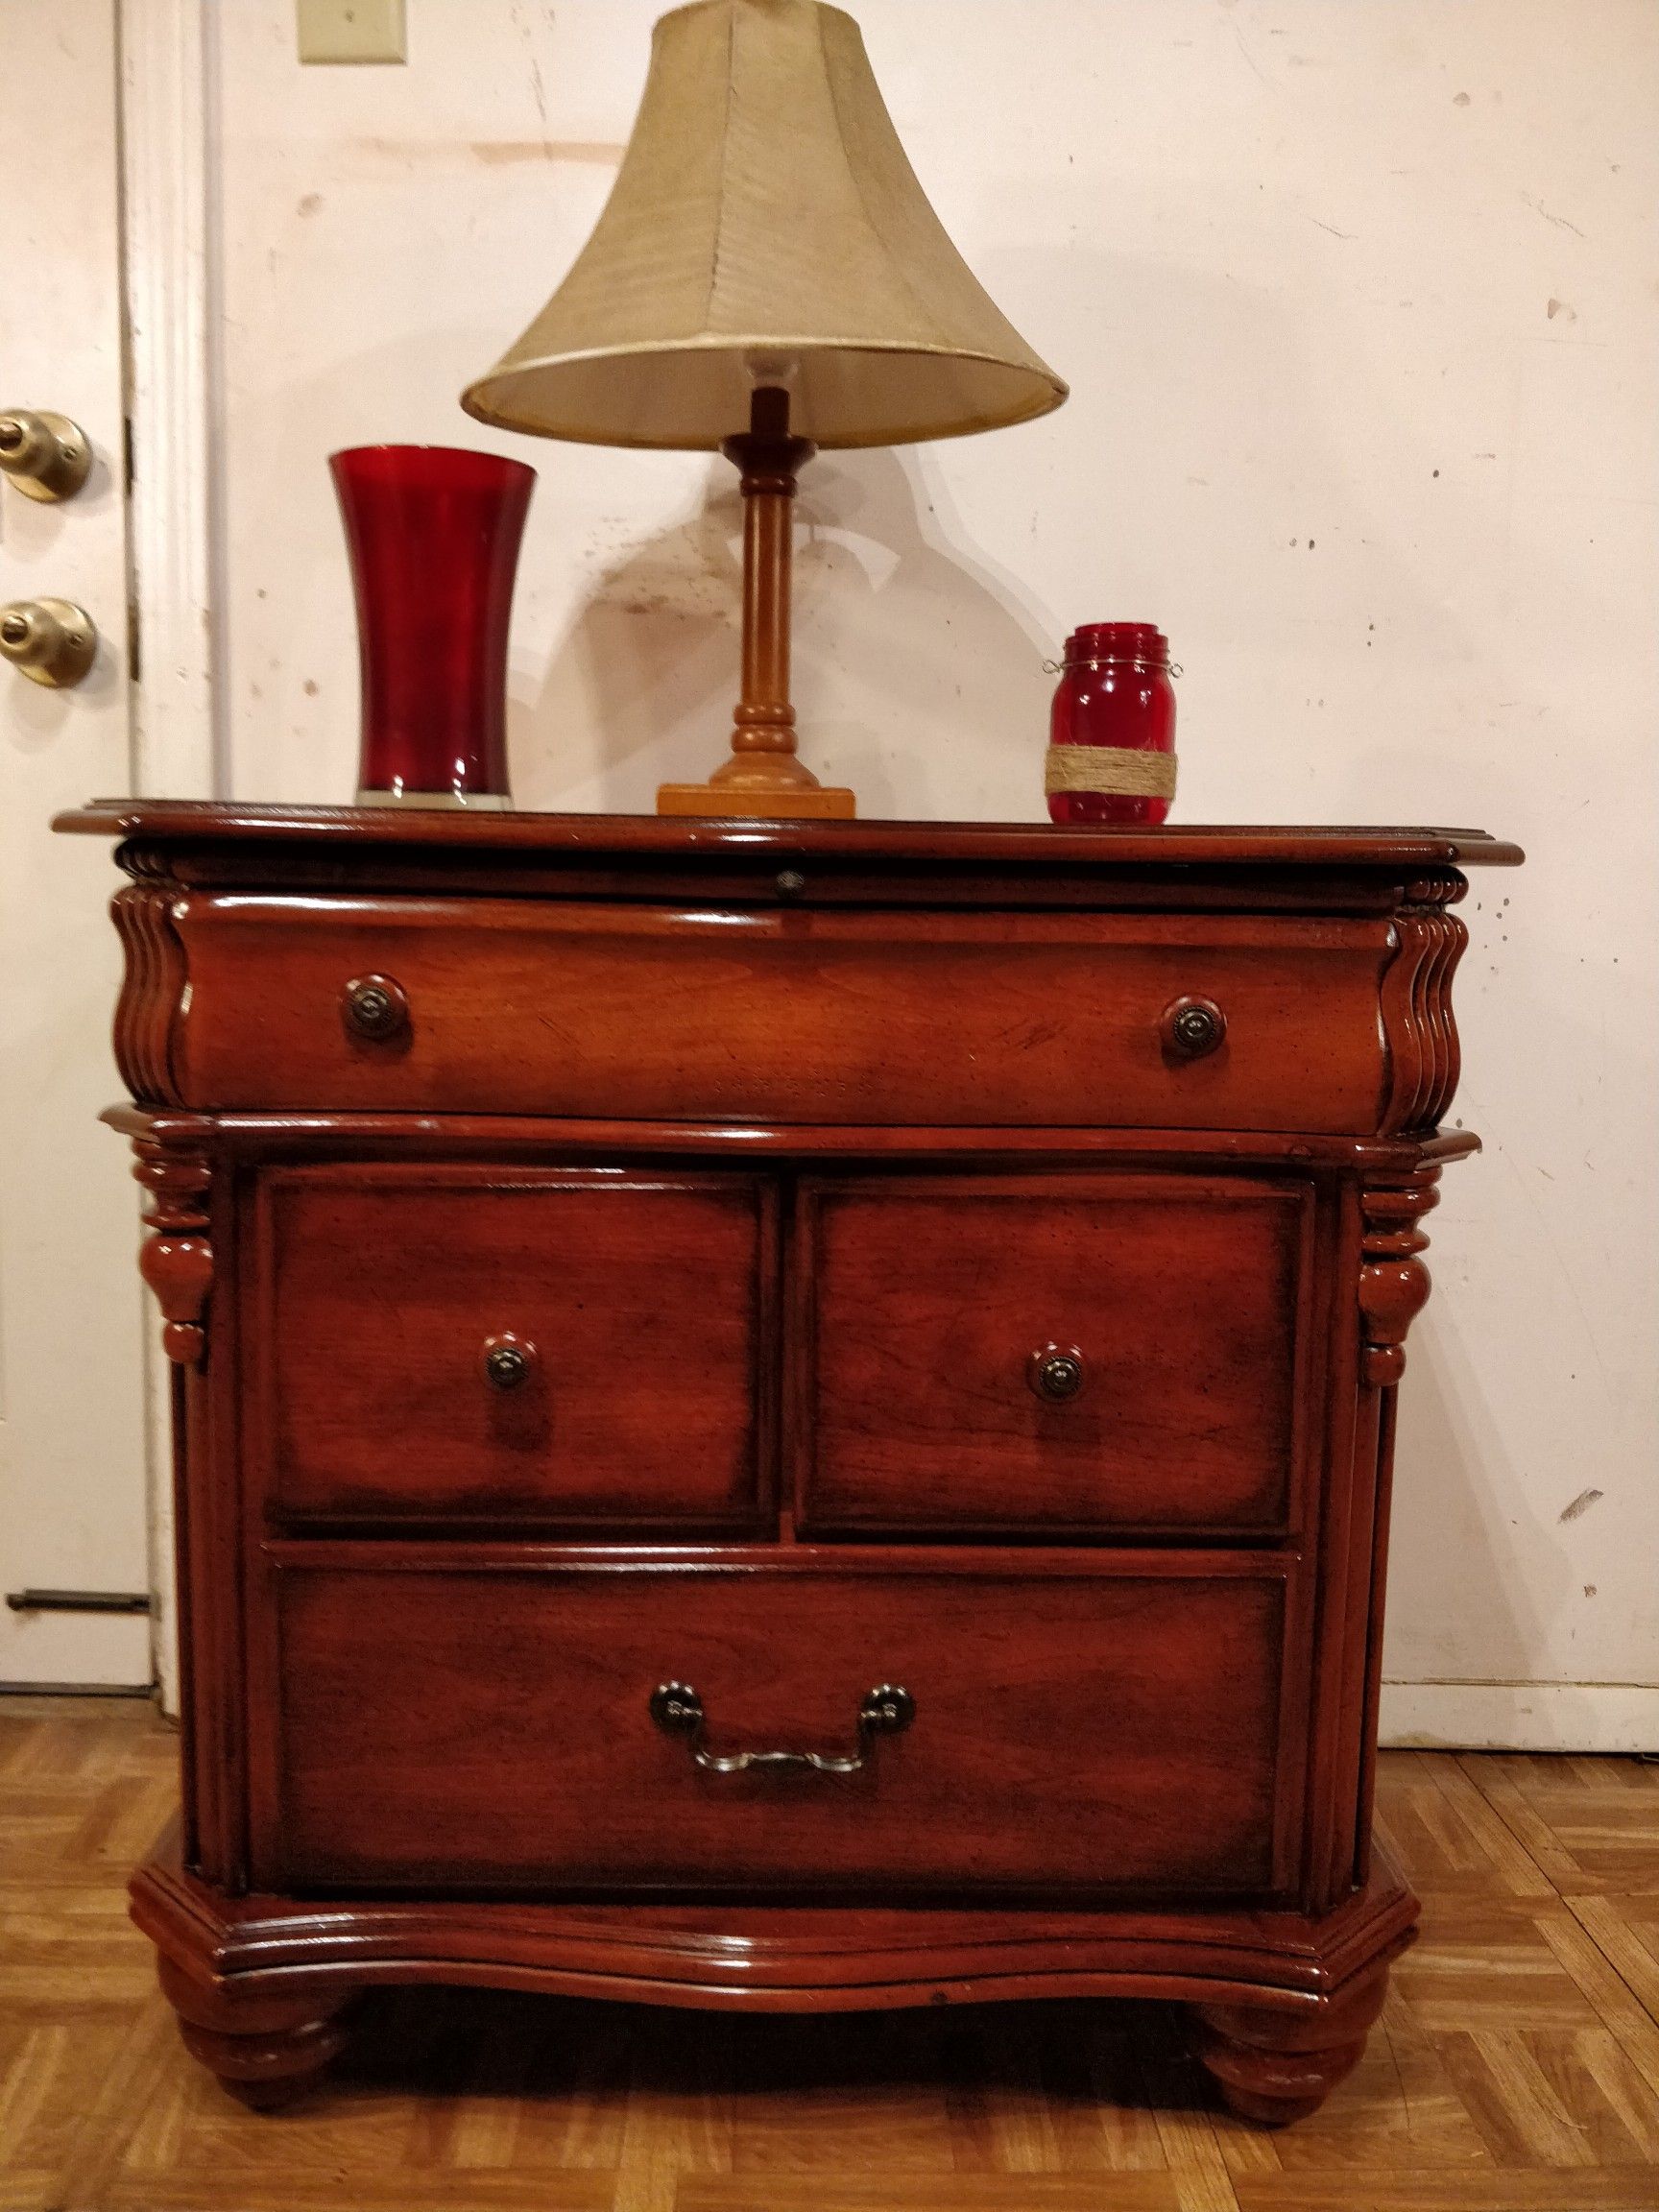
1424, 1056
150, 993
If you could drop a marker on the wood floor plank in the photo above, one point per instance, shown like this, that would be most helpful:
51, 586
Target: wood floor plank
1397, 2190
1591, 1824
1188, 2132
1625, 1931
1510, 2099
1605, 1989
965, 2193
1400, 2108
1498, 1778
1510, 1862
274, 2192
1597, 2082
1515, 2068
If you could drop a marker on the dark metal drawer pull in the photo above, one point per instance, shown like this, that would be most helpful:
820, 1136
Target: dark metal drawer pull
376, 1007
678, 1711
508, 1361
1193, 1028
1057, 1372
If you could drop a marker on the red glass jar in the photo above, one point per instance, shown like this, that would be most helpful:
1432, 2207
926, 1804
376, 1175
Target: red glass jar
433, 533
1112, 735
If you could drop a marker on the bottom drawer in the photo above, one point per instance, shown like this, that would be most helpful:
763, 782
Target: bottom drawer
1114, 1723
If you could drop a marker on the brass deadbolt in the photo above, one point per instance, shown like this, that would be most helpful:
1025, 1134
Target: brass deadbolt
51, 642
46, 456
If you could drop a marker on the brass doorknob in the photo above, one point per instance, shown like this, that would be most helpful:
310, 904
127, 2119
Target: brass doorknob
51, 642
46, 456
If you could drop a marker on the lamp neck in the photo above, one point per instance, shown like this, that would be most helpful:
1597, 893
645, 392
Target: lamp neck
766, 449
767, 459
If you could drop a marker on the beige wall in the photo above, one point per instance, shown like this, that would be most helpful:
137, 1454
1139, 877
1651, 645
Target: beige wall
1359, 302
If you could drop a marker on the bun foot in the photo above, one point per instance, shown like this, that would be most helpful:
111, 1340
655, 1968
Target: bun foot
1275, 2066
265, 2050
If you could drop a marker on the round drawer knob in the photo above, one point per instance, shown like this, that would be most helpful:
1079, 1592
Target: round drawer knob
508, 1361
790, 882
1056, 1373
1193, 1028
376, 1007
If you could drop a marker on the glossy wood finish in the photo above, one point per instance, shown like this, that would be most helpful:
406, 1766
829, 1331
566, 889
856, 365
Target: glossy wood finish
1185, 1301
640, 1305
216, 841
638, 1012
781, 1958
484, 1722
686, 1272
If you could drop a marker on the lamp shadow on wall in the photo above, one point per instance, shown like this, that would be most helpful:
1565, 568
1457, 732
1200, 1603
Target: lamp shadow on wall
891, 608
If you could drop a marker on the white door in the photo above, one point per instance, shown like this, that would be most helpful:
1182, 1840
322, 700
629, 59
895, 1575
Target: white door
72, 1426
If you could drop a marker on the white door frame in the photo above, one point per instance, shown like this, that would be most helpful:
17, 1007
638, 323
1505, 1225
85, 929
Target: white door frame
166, 103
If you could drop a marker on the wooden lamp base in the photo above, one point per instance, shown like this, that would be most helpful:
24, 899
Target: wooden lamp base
812, 802
763, 779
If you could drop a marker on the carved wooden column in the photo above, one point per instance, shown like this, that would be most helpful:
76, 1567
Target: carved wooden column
1394, 1283
1393, 1289
176, 1258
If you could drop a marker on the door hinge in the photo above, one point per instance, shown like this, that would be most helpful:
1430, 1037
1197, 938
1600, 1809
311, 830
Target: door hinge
78, 1602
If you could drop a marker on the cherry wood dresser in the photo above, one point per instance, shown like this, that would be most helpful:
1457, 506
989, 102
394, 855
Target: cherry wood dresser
793, 1417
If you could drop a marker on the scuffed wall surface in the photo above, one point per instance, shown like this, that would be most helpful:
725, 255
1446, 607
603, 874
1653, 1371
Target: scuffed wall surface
1359, 300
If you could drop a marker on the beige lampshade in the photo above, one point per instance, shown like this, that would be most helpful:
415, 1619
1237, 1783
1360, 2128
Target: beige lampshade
765, 228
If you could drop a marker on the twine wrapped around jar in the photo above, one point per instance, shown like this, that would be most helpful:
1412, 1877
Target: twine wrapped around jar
1110, 768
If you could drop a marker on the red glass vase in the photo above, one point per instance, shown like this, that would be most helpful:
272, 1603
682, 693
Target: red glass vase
1112, 735
433, 533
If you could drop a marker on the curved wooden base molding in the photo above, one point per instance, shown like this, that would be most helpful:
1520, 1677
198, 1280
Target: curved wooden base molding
1283, 2001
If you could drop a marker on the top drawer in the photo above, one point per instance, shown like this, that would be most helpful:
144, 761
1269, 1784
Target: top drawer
860, 1016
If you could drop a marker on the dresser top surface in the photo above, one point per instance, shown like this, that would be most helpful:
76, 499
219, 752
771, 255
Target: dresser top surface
622, 836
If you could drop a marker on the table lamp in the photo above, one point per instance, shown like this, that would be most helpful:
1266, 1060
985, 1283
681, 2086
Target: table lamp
768, 278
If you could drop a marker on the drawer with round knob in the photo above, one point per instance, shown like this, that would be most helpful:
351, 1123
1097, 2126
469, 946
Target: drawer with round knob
533, 1348
1062, 1353
780, 1014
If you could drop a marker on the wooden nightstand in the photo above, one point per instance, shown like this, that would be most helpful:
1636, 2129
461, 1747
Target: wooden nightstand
792, 1417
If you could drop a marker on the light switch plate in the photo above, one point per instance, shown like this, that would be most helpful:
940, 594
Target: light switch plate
351, 31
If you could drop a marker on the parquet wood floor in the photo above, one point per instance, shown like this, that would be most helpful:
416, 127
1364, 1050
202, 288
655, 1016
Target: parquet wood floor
1516, 2068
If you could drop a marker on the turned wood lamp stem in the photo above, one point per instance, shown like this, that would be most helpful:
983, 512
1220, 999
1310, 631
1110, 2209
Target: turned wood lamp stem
763, 776
768, 461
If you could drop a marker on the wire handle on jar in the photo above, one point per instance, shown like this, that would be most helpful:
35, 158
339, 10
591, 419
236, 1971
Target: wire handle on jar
1116, 660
